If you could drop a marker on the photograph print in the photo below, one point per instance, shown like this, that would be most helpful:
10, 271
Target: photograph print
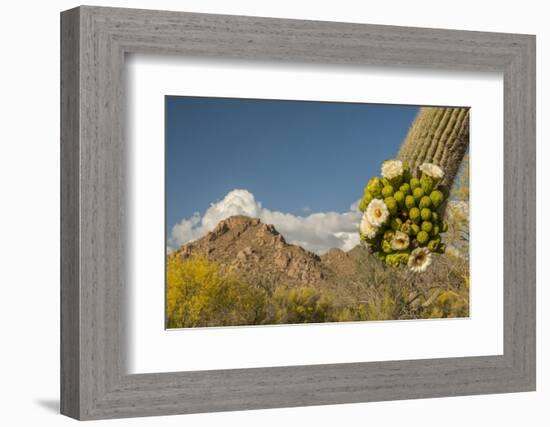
293, 212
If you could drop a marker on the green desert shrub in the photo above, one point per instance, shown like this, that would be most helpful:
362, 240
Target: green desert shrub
352, 313
449, 303
384, 305
302, 305
393, 293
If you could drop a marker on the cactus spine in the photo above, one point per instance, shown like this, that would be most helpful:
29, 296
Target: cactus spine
438, 135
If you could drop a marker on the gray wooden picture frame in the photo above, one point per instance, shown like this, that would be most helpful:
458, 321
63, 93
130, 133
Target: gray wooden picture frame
94, 382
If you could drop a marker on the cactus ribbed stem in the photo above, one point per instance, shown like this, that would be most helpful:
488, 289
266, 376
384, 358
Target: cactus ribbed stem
438, 135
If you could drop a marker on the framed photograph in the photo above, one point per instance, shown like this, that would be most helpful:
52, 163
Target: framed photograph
271, 220
262, 213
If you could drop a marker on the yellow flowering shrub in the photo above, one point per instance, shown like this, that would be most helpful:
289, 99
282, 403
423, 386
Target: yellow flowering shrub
450, 303
302, 305
200, 294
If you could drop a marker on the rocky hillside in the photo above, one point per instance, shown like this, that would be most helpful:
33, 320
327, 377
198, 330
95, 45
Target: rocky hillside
259, 251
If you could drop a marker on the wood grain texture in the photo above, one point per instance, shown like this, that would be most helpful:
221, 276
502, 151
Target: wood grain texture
94, 269
70, 220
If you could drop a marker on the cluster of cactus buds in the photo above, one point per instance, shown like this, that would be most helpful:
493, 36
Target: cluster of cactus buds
402, 219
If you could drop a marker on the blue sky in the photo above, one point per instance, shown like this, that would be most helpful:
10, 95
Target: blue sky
295, 157
290, 154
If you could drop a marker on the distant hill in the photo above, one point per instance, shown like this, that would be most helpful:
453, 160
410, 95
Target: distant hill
259, 250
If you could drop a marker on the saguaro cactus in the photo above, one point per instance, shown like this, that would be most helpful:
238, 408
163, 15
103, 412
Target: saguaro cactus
438, 135
403, 215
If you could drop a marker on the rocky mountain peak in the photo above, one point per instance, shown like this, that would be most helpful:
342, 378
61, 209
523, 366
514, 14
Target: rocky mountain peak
253, 247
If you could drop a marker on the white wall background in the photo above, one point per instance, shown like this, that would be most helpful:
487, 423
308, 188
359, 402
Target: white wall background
29, 212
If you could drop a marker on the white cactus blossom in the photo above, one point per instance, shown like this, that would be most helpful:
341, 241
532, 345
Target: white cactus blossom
419, 260
366, 228
432, 170
392, 169
400, 241
377, 212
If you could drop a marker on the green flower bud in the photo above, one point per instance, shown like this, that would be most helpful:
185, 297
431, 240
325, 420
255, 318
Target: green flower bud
375, 186
406, 172
425, 202
427, 183
387, 191
399, 198
385, 181
414, 229
437, 198
396, 224
418, 193
403, 257
386, 247
435, 230
388, 235
442, 247
433, 245
426, 226
395, 259
414, 183
422, 237
396, 181
392, 260
425, 214
374, 242
444, 227
409, 202
405, 189
435, 218
363, 204
391, 204
414, 215
368, 196
406, 227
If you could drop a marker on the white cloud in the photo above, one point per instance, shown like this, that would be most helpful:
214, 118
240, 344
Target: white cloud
317, 232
